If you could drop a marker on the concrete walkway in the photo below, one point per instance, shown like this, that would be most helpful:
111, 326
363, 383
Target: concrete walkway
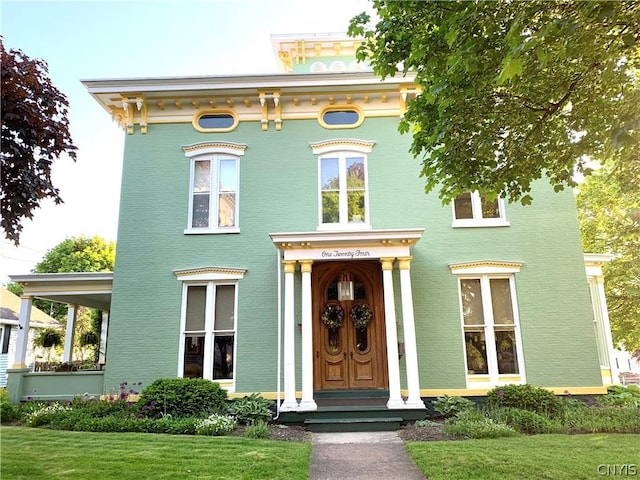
360, 455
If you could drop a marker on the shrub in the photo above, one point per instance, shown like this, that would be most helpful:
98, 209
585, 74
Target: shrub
103, 408
525, 397
182, 397
45, 414
177, 426
8, 412
621, 396
602, 419
258, 430
251, 409
216, 425
525, 421
116, 424
425, 423
451, 406
473, 424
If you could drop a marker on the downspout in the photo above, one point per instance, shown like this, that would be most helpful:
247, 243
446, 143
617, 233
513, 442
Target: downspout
279, 267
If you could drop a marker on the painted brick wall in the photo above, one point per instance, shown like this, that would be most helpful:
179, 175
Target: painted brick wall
278, 193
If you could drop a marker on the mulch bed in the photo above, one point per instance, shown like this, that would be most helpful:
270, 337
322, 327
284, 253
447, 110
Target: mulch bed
408, 433
432, 433
279, 431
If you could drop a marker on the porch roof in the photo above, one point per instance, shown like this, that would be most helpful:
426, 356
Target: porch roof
89, 289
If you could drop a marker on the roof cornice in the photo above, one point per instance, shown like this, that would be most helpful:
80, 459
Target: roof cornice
231, 82
265, 99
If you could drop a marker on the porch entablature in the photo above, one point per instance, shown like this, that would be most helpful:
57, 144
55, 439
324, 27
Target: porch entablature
361, 245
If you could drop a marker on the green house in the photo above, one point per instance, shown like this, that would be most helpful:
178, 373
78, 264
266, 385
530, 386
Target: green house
275, 237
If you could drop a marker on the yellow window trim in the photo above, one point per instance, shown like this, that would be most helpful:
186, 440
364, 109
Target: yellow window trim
339, 108
215, 111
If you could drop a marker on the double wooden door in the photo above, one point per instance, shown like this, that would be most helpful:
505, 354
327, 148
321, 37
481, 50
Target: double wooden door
348, 354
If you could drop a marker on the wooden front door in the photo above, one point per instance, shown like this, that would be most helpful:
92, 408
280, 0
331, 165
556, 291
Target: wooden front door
348, 355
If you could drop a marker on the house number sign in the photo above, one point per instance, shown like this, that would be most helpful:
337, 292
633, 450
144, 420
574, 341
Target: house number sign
350, 254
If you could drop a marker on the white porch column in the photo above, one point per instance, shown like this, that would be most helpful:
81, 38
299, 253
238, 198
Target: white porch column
72, 311
615, 372
393, 361
602, 324
411, 351
23, 332
102, 353
290, 402
307, 403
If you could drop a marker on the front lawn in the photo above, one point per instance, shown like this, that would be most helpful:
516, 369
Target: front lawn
31, 453
557, 457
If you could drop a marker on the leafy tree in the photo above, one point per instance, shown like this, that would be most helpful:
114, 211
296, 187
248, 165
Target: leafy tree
511, 91
609, 214
35, 132
79, 254
75, 254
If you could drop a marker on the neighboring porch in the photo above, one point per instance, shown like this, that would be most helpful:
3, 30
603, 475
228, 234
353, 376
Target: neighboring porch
86, 289
313, 252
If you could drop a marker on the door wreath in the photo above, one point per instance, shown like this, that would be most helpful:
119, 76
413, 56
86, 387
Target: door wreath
361, 315
332, 315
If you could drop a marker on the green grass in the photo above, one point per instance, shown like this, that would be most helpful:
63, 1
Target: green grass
31, 453
557, 457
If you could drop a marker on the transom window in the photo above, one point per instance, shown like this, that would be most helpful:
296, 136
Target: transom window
215, 121
209, 331
470, 209
341, 116
342, 177
213, 198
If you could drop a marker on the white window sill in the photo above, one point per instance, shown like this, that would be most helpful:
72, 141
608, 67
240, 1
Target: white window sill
489, 381
487, 222
228, 385
344, 227
210, 231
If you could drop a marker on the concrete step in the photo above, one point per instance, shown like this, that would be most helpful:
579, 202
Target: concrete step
353, 424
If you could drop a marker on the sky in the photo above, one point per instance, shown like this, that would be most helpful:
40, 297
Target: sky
88, 40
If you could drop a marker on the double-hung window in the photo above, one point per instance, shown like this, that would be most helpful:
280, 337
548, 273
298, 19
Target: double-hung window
209, 305
343, 195
214, 185
470, 209
492, 342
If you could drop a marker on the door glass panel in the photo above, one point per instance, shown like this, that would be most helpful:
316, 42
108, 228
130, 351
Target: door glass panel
358, 291
332, 290
333, 340
362, 339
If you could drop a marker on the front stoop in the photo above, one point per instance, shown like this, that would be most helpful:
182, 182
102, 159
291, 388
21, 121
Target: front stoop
352, 411
353, 424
